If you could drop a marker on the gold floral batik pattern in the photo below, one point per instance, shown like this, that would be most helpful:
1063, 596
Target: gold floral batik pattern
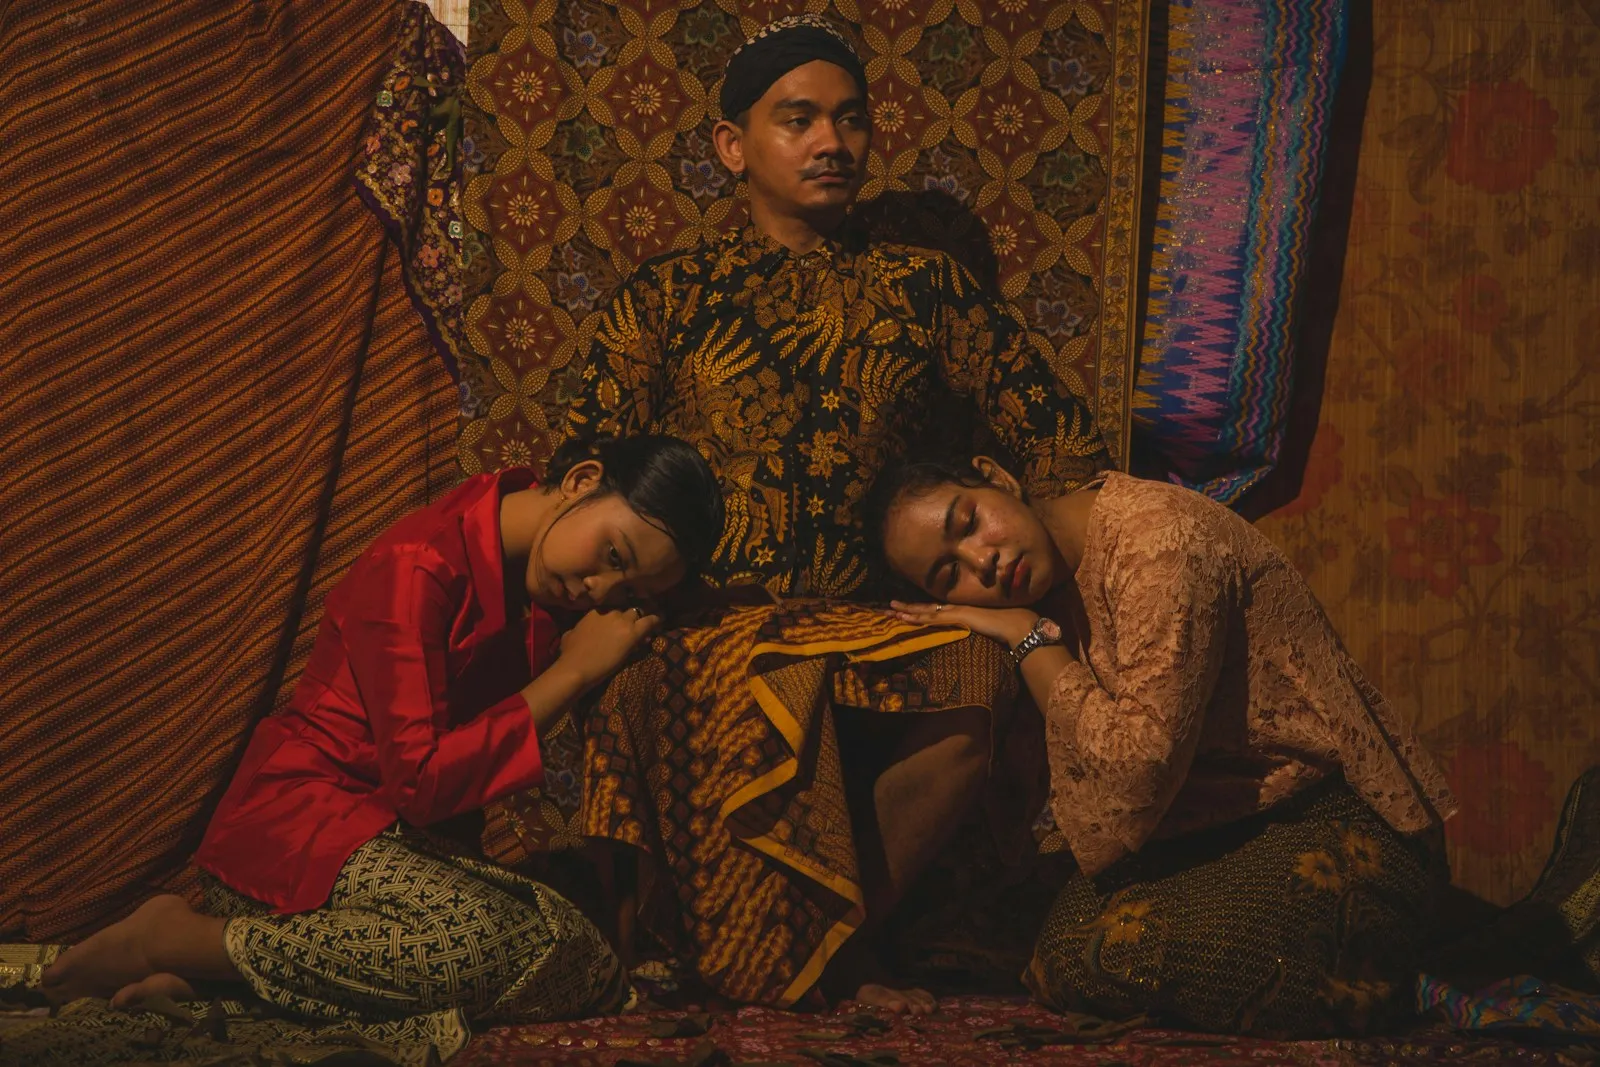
802, 376
1305, 920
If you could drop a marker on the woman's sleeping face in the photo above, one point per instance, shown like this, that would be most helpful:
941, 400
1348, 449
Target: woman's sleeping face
967, 545
601, 553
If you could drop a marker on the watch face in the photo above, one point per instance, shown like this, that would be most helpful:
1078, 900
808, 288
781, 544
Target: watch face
1049, 630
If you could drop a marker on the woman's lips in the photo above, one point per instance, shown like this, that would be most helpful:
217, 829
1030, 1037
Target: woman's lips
1017, 580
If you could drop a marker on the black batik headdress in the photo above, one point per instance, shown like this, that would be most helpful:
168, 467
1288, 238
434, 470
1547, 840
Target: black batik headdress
780, 47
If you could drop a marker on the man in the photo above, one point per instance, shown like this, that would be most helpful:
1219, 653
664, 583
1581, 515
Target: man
800, 358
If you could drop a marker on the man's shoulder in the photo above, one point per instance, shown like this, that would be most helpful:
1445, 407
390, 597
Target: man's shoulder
909, 256
924, 267
679, 262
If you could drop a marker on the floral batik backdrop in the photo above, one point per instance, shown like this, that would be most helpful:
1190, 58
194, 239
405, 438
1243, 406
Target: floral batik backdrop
1450, 508
1011, 129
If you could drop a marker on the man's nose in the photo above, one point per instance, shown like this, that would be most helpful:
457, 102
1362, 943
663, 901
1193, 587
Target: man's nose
832, 141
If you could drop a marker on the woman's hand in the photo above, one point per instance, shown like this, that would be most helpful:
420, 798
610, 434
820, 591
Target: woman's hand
602, 641
1009, 625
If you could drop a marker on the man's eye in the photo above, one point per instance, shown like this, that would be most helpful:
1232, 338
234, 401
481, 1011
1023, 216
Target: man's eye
615, 557
972, 521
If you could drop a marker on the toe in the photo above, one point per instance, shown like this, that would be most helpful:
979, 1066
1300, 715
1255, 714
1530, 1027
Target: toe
130, 996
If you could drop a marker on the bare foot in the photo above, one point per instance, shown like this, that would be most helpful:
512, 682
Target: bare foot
113, 958
900, 1001
130, 997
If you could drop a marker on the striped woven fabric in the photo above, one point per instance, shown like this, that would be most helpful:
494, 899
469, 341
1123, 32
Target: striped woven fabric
214, 392
1249, 95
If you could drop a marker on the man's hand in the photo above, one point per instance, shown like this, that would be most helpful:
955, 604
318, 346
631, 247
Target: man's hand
1009, 625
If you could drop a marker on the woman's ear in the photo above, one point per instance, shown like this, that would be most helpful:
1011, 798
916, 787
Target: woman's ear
583, 479
997, 476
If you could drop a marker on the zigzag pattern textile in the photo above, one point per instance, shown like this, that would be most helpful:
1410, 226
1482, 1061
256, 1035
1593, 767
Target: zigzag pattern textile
1249, 94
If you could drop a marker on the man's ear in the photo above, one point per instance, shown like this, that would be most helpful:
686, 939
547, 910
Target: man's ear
997, 475
582, 479
729, 141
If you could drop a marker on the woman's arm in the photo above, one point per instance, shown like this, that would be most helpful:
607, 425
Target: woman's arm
592, 651
1119, 755
1006, 625
396, 631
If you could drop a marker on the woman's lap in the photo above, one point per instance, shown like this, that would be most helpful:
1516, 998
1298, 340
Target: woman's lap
1306, 920
408, 930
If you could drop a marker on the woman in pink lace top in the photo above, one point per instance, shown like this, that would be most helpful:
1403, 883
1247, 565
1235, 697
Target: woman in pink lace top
1254, 826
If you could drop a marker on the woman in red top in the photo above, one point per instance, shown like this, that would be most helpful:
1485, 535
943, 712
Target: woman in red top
436, 668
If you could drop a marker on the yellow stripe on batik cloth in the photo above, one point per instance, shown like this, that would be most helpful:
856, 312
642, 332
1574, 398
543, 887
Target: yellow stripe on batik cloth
718, 757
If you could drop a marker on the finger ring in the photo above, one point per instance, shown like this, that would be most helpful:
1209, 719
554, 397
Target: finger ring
940, 608
636, 612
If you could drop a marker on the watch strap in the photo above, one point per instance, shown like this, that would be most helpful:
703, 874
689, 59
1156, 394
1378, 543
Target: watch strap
1036, 639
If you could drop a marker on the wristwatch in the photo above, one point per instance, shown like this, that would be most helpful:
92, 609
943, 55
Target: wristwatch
1044, 632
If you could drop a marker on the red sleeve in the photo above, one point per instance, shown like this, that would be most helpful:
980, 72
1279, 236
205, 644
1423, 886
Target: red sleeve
396, 631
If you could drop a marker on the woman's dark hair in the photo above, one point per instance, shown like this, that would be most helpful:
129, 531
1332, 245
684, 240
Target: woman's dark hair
910, 478
663, 479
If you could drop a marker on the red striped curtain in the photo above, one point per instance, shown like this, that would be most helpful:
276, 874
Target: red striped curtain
213, 393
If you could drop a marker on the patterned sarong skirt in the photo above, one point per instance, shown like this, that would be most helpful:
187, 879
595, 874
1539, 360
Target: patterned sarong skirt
1305, 920
411, 931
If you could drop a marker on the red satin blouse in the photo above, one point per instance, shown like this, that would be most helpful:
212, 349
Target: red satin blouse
409, 707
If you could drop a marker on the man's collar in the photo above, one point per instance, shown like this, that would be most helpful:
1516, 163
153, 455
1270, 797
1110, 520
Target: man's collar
837, 246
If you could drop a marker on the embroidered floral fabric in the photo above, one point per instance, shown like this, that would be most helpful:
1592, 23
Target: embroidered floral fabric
410, 175
1214, 685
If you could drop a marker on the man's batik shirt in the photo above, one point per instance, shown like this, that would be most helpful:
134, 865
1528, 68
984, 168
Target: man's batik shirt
800, 377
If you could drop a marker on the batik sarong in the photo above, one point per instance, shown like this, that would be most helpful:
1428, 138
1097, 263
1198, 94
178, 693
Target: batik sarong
717, 756
410, 931
1305, 920
414, 949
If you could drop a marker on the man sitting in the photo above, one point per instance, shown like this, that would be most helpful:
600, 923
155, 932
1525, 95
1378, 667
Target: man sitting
801, 357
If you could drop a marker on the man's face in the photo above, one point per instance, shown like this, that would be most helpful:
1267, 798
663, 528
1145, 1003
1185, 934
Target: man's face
803, 147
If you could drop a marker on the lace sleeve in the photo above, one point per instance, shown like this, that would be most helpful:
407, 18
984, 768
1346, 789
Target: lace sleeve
1119, 756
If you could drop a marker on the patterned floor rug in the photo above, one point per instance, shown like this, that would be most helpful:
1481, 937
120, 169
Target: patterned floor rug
966, 1031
